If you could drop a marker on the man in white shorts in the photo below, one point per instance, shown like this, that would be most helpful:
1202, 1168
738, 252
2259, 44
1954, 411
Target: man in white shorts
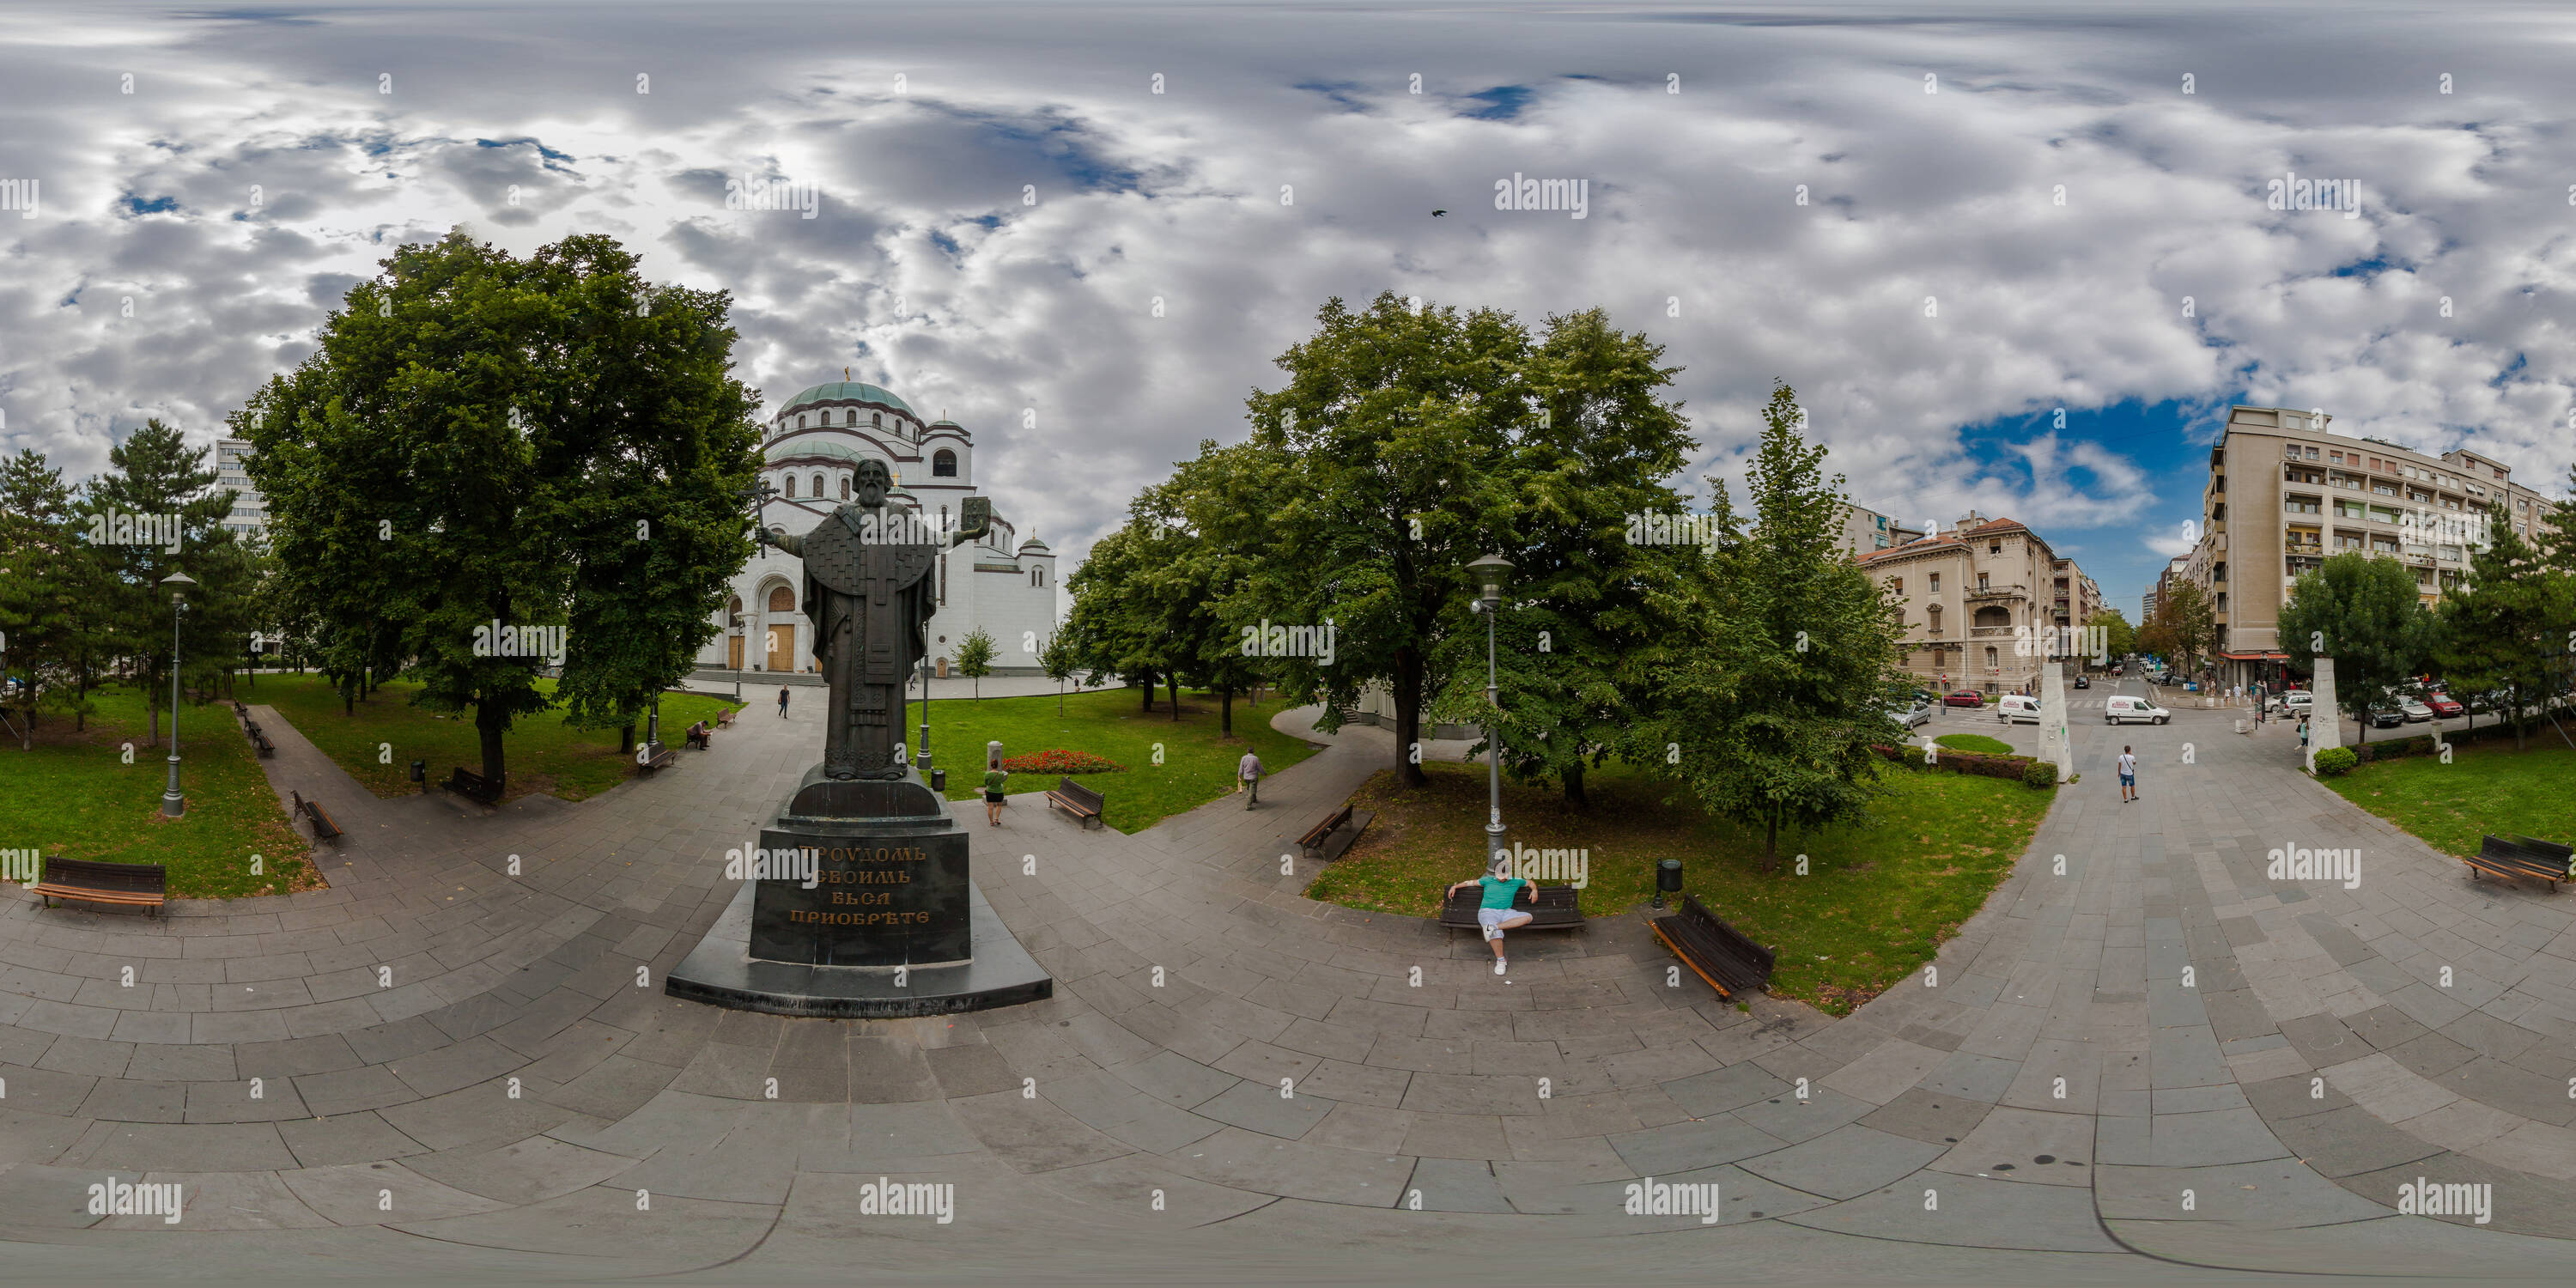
1497, 913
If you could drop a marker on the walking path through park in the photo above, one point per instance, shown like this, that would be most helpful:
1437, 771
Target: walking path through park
457, 1070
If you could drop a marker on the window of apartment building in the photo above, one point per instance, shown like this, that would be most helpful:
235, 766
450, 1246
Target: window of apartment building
2383, 545
1936, 583
2335, 457
1981, 581
2350, 510
2302, 505
2347, 541
2290, 450
2384, 489
2312, 453
2221, 604
1994, 547
1896, 584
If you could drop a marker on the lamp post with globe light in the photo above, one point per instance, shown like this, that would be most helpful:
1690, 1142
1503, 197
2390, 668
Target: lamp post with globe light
1490, 571
172, 803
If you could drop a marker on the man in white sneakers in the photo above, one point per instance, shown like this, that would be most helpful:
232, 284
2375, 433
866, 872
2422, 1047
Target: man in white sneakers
2128, 776
1497, 913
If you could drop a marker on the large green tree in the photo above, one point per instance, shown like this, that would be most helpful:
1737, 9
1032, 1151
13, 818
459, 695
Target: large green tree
2505, 626
484, 443
2364, 612
157, 488
1768, 717
2188, 626
1375, 474
2119, 638
1588, 614
47, 574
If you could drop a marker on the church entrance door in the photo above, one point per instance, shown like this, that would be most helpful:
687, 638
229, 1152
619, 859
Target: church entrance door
782, 648
733, 653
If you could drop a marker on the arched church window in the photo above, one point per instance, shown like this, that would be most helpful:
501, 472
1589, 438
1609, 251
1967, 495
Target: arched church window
1037, 576
791, 487
853, 417
845, 487
782, 600
943, 464
818, 487
876, 419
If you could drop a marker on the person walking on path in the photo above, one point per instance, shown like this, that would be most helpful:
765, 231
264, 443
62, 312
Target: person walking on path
2128, 776
1496, 913
2303, 734
1247, 774
994, 779
782, 702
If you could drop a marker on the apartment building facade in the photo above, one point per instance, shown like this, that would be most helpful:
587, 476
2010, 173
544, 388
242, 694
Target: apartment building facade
1975, 601
2073, 598
2284, 495
249, 517
1863, 530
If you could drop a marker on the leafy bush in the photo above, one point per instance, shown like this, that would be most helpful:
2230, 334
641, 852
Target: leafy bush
2040, 774
1060, 763
2336, 761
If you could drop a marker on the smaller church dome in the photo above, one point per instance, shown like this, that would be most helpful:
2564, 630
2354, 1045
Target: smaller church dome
1033, 545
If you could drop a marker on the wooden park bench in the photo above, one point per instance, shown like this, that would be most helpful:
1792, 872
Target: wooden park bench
660, 756
324, 828
1327, 840
260, 740
1551, 908
1714, 950
724, 719
137, 885
473, 786
241, 710
705, 741
2522, 856
1082, 802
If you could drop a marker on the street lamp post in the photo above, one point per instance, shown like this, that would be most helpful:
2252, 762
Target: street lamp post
172, 803
1490, 571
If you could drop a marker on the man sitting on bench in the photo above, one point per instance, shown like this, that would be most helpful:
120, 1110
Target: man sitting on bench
698, 736
1497, 914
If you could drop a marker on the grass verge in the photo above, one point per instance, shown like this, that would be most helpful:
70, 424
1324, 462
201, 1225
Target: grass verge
2486, 788
1197, 761
74, 796
543, 754
1875, 902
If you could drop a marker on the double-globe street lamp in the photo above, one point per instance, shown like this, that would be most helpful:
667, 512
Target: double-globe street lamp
1490, 571
172, 803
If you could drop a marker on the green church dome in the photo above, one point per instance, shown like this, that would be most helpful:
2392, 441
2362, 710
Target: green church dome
849, 391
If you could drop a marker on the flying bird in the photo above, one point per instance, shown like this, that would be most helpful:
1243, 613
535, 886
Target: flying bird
1437, 213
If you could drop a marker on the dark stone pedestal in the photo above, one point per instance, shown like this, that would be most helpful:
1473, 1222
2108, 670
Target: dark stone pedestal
721, 971
858, 903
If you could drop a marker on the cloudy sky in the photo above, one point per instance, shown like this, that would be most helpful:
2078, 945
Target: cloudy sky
2007, 210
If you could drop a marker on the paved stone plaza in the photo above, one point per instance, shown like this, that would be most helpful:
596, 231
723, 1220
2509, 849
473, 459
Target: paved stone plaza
2056, 1095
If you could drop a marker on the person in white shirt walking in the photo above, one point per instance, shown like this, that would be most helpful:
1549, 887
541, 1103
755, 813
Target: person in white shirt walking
2128, 776
1247, 776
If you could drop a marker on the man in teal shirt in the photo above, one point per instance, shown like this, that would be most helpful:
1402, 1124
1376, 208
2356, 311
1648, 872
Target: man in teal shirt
1496, 914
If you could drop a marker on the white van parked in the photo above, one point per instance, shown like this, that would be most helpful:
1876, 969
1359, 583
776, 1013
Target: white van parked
2017, 706
2120, 710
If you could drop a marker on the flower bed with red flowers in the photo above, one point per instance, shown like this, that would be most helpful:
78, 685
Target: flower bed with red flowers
1061, 762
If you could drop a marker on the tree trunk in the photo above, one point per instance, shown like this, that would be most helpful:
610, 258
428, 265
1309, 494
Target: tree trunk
1771, 841
152, 704
626, 739
1175, 678
1225, 708
1573, 778
1408, 717
1149, 679
487, 722
1059, 697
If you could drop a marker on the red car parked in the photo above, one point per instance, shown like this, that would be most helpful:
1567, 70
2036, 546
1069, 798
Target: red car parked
1963, 698
2442, 705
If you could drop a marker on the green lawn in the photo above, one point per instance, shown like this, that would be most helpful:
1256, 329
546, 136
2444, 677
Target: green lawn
1198, 764
74, 796
542, 754
2487, 787
1975, 742
1874, 904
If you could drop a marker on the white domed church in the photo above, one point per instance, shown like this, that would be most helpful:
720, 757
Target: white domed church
814, 443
